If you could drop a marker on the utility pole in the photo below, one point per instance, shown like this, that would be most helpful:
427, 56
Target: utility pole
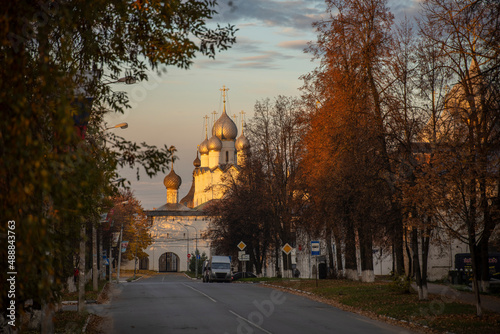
119, 256
120, 249
196, 239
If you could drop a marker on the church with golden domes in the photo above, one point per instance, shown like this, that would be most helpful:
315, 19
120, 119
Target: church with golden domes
178, 224
223, 153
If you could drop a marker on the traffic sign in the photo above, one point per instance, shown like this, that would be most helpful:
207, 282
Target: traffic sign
287, 248
189, 256
245, 257
315, 250
241, 245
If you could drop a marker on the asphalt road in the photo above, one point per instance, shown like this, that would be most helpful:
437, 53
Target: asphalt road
175, 304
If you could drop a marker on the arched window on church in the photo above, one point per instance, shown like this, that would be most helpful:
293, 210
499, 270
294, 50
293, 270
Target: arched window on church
227, 156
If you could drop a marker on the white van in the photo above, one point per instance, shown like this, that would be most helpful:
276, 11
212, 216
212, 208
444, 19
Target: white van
218, 269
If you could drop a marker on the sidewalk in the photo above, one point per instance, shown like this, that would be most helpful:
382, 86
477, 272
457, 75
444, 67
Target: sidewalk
448, 293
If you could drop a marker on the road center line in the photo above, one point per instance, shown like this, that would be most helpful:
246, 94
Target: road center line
200, 292
251, 323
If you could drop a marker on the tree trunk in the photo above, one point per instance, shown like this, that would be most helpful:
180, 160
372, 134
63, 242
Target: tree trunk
425, 237
351, 266
48, 310
473, 251
329, 246
484, 266
95, 270
276, 256
365, 249
410, 257
47, 323
398, 245
81, 270
489, 226
340, 268
416, 263
256, 257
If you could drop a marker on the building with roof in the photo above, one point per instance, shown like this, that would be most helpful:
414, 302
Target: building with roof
178, 224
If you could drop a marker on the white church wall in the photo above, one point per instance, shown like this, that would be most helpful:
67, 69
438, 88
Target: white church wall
227, 146
441, 259
170, 236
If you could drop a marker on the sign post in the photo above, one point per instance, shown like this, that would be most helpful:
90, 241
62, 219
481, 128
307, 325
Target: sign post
287, 248
242, 256
315, 251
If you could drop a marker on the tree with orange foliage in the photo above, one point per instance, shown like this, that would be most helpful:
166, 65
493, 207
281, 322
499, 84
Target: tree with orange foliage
128, 217
347, 143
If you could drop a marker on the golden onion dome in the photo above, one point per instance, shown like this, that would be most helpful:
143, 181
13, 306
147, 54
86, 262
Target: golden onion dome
224, 128
242, 143
214, 144
204, 146
197, 162
172, 180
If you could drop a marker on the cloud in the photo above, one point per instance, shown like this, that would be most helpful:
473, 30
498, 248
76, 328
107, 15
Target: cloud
295, 45
249, 53
274, 13
268, 60
256, 65
261, 57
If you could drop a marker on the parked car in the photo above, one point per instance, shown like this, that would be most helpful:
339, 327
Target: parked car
240, 274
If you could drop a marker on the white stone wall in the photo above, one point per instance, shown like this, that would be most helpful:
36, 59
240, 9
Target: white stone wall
441, 259
170, 236
227, 146
204, 159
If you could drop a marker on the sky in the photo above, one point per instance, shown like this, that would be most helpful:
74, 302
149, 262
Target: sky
266, 61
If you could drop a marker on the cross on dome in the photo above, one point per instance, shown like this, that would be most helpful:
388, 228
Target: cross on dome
224, 90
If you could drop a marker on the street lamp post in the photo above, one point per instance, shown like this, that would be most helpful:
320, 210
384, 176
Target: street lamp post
119, 255
196, 239
120, 249
137, 236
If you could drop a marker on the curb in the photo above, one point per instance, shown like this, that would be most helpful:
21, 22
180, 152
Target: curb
84, 329
135, 280
191, 278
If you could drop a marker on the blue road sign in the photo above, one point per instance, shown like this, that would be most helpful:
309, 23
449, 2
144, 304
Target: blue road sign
315, 249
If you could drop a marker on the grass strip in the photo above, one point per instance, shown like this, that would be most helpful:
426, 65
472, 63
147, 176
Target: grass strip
440, 312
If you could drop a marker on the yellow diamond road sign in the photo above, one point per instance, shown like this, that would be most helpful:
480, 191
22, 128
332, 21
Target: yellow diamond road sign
241, 245
287, 248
